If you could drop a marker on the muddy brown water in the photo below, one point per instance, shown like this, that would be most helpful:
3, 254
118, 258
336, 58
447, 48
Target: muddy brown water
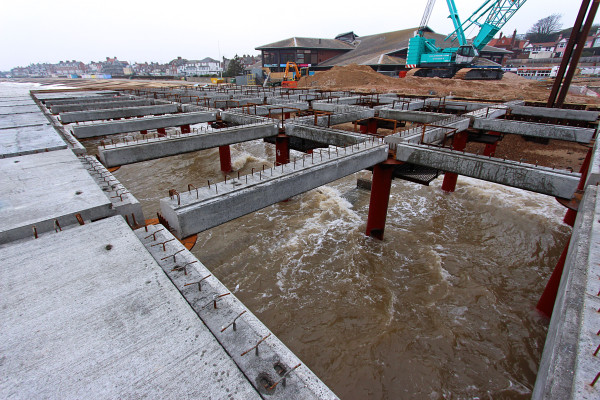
442, 308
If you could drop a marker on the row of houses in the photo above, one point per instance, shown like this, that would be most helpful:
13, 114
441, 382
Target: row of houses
114, 67
522, 48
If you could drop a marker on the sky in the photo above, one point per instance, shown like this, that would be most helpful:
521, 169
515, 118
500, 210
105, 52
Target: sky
136, 31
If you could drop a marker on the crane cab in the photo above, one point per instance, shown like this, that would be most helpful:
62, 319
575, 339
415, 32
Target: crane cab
465, 54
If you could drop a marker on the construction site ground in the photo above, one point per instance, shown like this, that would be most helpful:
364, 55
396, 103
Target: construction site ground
364, 78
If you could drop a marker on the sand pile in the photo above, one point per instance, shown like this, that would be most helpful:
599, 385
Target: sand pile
364, 78
351, 75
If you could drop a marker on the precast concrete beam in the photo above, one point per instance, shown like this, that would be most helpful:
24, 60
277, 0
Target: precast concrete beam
430, 133
549, 131
150, 149
101, 105
593, 177
82, 99
81, 116
401, 104
421, 117
537, 179
335, 119
123, 202
559, 113
196, 211
72, 93
336, 108
239, 118
329, 136
457, 105
147, 123
236, 339
569, 364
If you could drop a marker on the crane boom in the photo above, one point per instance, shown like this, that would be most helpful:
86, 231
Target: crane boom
444, 61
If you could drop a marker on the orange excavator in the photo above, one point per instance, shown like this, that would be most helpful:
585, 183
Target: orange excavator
291, 81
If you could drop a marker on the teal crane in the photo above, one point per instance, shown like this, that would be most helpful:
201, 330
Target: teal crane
432, 60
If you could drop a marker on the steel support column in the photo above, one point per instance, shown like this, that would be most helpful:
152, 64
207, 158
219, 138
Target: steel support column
490, 148
162, 132
185, 128
570, 215
459, 143
380, 197
546, 303
225, 157
282, 149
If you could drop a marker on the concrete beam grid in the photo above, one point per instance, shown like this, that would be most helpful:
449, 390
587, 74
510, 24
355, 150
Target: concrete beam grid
198, 209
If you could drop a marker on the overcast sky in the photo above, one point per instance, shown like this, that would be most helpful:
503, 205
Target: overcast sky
136, 31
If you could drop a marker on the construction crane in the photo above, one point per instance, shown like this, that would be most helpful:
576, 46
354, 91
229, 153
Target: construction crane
429, 60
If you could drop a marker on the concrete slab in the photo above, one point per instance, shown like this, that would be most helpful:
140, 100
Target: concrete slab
560, 113
104, 105
81, 116
559, 132
195, 211
569, 364
20, 101
511, 173
147, 123
150, 149
88, 313
41, 188
301, 383
20, 120
28, 140
16, 109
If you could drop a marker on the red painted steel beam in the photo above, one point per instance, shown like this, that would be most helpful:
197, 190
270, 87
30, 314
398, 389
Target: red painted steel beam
567, 54
380, 197
225, 157
282, 149
459, 142
546, 303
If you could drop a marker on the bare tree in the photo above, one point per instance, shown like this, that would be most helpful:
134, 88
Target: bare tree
545, 29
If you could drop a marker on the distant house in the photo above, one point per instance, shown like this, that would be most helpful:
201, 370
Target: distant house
66, 68
206, 66
540, 50
383, 51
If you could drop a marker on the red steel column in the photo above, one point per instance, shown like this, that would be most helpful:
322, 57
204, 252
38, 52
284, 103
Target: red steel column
225, 156
185, 128
546, 303
570, 215
372, 126
490, 148
162, 132
144, 132
380, 197
459, 143
282, 149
